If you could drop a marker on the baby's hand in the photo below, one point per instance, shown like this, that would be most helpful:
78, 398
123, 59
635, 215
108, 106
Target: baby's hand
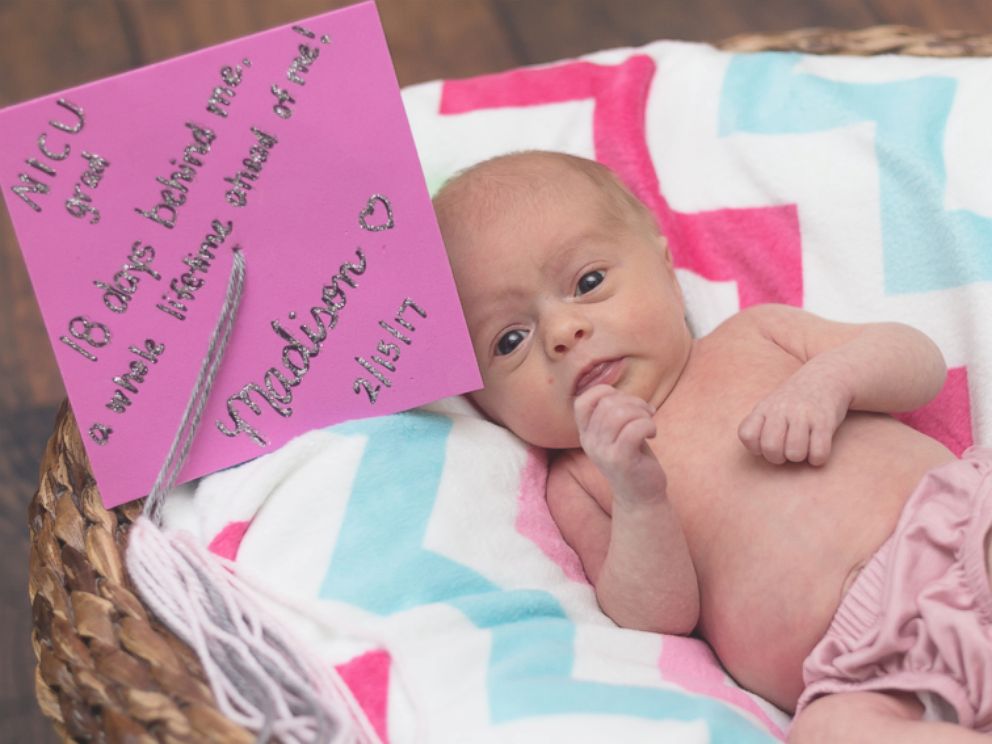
797, 421
613, 429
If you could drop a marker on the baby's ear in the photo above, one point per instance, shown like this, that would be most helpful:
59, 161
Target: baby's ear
669, 262
666, 254
665, 250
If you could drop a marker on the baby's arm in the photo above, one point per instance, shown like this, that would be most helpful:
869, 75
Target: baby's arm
638, 560
882, 367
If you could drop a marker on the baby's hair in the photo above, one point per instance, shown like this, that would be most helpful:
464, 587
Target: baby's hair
623, 203
491, 181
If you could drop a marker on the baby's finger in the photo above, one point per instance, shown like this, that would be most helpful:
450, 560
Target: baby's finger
614, 413
749, 432
586, 403
644, 405
773, 439
636, 431
797, 441
820, 442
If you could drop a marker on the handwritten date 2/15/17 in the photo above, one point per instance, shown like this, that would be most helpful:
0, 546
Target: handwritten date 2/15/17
384, 361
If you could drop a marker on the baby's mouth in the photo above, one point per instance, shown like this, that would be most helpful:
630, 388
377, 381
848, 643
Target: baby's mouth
604, 372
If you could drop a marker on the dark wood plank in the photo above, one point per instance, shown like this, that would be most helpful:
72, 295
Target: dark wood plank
968, 15
27, 365
51, 44
47, 45
552, 29
23, 434
464, 43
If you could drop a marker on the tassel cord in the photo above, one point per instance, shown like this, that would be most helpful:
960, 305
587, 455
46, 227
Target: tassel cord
193, 412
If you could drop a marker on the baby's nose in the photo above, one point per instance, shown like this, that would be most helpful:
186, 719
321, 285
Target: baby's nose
566, 333
562, 347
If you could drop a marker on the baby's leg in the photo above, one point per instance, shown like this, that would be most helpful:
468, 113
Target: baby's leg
874, 718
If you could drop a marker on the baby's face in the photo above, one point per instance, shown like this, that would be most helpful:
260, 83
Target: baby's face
561, 294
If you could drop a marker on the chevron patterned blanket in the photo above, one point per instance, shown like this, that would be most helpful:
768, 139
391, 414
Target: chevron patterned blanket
415, 552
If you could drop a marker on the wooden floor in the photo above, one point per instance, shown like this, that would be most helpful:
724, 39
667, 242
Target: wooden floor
47, 45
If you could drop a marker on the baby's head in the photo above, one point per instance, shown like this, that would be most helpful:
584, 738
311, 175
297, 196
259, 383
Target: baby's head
566, 283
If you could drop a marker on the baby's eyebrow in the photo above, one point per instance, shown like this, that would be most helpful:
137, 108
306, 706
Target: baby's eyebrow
489, 312
558, 259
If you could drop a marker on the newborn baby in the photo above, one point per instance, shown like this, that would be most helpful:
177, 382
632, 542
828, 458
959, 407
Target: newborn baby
747, 485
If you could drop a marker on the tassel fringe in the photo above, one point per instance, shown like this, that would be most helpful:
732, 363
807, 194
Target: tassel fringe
260, 679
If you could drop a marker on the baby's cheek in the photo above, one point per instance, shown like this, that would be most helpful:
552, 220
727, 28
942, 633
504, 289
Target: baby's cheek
477, 399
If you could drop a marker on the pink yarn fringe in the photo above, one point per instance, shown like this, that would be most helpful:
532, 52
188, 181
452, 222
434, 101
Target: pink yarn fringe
260, 678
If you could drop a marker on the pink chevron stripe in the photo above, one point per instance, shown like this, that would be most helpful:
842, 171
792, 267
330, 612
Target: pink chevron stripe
367, 676
534, 520
227, 542
947, 418
690, 663
759, 247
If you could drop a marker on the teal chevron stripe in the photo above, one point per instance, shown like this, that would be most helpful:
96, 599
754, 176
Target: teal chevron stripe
925, 246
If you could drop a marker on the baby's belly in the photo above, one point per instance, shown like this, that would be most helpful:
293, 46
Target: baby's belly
773, 569
763, 615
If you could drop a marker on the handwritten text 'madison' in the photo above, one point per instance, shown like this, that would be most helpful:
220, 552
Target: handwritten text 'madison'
278, 383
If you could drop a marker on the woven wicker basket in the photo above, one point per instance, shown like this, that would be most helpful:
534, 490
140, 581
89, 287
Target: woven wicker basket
107, 671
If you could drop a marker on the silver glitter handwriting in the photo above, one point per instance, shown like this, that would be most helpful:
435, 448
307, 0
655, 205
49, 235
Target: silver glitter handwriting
183, 288
221, 97
137, 371
80, 119
283, 99
301, 63
243, 181
43, 146
324, 39
388, 353
298, 67
174, 195
369, 210
100, 433
80, 204
31, 185
296, 356
81, 328
118, 292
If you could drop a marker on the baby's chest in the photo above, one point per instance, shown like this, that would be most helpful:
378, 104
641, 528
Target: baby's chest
727, 376
698, 423
720, 489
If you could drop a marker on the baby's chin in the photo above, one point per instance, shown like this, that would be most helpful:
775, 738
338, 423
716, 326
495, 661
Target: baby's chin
561, 440
546, 440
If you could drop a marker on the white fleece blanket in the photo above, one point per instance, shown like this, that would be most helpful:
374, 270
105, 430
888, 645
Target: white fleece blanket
416, 553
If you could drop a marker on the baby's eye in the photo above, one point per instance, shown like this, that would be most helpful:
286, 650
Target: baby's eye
589, 282
510, 341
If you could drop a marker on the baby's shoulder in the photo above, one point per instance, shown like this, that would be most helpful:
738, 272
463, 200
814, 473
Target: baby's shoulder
749, 321
768, 312
758, 320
